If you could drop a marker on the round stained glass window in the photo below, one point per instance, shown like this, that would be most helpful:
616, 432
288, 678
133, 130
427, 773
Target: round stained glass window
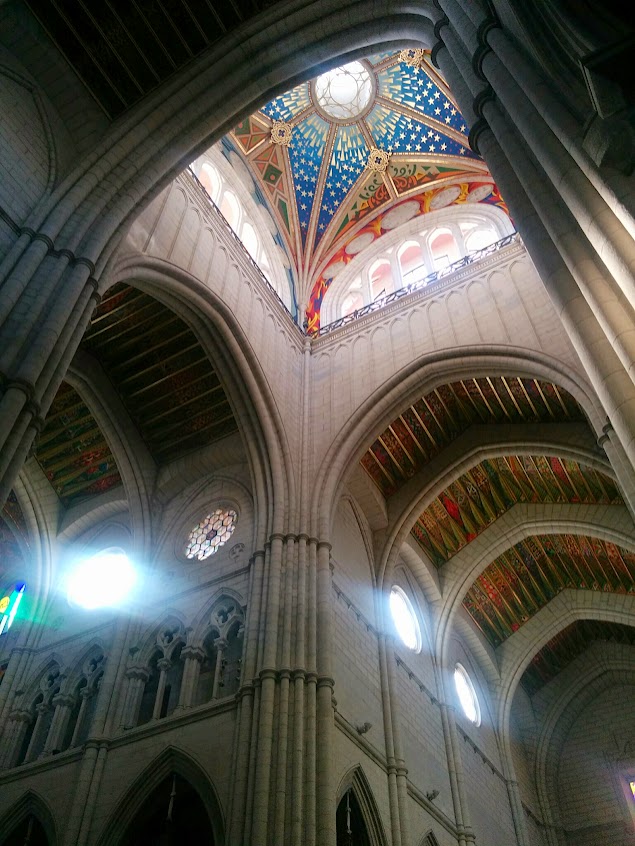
344, 93
405, 619
467, 695
211, 533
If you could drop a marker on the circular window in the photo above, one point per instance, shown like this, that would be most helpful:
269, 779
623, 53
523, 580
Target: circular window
467, 695
211, 533
344, 93
405, 619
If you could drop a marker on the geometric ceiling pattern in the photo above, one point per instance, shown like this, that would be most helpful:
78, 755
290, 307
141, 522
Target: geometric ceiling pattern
522, 580
129, 48
161, 373
472, 502
430, 424
329, 194
72, 450
565, 647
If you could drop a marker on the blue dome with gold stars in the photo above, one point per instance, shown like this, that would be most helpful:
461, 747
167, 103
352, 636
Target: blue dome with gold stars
334, 155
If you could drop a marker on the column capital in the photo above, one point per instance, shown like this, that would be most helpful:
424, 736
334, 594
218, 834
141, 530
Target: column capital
194, 653
64, 699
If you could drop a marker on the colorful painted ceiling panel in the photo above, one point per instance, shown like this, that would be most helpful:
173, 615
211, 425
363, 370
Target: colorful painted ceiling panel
72, 450
476, 499
161, 373
555, 656
402, 107
434, 421
522, 580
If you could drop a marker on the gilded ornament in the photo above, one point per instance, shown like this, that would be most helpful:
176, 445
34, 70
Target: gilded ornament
412, 57
378, 160
281, 133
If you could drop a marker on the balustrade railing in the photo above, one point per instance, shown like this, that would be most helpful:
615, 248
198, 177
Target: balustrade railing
426, 281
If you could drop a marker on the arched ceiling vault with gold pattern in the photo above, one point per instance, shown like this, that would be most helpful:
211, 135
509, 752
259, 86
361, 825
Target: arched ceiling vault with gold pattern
525, 577
337, 177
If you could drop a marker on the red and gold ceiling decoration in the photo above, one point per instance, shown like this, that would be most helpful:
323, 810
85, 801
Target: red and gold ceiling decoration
426, 427
522, 580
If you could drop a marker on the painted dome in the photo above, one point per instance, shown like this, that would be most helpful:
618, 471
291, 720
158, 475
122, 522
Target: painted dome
354, 153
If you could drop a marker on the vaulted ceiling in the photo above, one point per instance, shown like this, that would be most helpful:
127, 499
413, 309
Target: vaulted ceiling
165, 381
567, 645
122, 49
524, 578
429, 425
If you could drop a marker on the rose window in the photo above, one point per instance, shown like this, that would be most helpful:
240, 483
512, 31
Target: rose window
211, 533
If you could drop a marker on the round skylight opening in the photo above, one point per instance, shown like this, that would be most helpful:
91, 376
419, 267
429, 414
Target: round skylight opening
344, 93
405, 619
467, 695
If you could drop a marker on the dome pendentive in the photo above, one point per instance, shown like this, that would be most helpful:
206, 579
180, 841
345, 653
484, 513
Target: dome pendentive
355, 153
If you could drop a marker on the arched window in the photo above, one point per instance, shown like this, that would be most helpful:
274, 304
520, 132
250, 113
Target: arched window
381, 279
30, 831
210, 533
480, 238
443, 248
173, 813
349, 822
352, 302
230, 209
411, 262
210, 180
405, 619
467, 695
28, 730
250, 240
219, 673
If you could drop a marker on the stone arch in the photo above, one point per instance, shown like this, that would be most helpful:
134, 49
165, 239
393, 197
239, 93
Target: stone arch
201, 623
260, 422
356, 780
171, 760
422, 375
586, 687
150, 641
30, 804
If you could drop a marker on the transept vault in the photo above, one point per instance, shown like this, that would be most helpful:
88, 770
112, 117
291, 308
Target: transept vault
317, 423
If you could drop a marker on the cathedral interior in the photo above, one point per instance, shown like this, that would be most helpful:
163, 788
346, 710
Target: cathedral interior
317, 423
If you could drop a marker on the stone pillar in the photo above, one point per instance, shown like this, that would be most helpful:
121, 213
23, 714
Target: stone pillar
221, 645
136, 681
163, 665
85, 694
193, 657
393, 794
63, 705
325, 725
42, 709
13, 737
457, 779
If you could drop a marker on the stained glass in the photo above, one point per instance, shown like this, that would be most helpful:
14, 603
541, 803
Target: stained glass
632, 786
211, 533
344, 93
9, 606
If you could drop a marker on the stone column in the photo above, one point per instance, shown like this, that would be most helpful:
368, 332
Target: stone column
13, 737
193, 657
393, 794
85, 694
457, 779
136, 681
163, 665
325, 725
221, 645
63, 705
606, 372
41, 710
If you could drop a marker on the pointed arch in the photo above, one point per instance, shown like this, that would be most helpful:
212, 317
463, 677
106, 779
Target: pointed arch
426, 373
223, 339
171, 760
355, 779
30, 804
